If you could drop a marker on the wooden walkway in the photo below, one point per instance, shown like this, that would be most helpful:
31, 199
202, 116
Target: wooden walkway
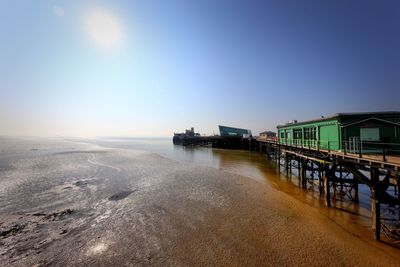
377, 160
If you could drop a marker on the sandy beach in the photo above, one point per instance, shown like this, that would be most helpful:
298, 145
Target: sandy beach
73, 204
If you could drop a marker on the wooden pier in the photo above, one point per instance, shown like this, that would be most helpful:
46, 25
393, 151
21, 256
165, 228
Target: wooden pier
337, 172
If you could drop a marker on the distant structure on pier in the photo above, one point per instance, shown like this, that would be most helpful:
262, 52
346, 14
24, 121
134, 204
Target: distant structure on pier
226, 131
268, 135
189, 136
187, 133
191, 132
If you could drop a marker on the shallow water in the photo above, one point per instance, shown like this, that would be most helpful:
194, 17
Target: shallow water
249, 164
120, 201
355, 217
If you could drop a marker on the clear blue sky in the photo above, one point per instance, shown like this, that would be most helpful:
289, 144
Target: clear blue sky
149, 68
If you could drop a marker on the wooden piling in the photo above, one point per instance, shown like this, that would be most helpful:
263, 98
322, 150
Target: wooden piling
320, 186
304, 174
327, 191
375, 203
312, 172
355, 188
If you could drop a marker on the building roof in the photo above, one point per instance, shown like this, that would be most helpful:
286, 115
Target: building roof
268, 132
337, 115
309, 121
368, 119
369, 113
234, 128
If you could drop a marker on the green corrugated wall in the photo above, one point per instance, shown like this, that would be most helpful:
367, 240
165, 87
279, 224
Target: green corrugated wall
328, 133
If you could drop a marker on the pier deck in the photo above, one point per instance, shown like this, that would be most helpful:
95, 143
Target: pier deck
381, 160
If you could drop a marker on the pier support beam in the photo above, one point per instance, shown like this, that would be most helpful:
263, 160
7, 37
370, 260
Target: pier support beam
312, 172
327, 191
355, 188
278, 157
303, 173
375, 203
329, 172
320, 185
287, 162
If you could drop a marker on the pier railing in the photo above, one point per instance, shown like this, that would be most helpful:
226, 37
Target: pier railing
381, 151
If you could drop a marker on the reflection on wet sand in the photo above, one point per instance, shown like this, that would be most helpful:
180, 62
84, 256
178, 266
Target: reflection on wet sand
352, 216
98, 248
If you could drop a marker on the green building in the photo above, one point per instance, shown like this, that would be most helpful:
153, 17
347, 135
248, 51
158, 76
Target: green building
353, 132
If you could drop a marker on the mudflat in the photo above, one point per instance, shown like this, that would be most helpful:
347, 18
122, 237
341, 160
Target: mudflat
76, 204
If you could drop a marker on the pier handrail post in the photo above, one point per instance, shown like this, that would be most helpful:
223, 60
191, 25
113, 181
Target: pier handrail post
345, 147
360, 149
329, 147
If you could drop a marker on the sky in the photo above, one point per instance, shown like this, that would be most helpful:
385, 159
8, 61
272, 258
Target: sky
152, 68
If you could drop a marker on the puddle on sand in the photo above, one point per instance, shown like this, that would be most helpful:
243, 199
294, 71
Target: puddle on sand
121, 195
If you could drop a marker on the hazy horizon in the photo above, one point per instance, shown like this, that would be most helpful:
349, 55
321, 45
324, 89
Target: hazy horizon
152, 68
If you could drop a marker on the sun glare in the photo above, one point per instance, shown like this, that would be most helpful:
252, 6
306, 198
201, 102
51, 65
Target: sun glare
104, 28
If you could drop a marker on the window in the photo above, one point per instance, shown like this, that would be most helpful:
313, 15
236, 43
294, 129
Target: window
310, 133
369, 134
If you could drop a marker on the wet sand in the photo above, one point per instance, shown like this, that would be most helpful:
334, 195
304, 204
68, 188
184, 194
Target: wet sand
68, 203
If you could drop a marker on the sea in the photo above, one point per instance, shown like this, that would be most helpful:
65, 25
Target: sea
113, 201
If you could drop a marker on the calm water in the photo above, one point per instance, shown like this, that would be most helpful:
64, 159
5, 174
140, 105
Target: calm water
249, 164
245, 163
